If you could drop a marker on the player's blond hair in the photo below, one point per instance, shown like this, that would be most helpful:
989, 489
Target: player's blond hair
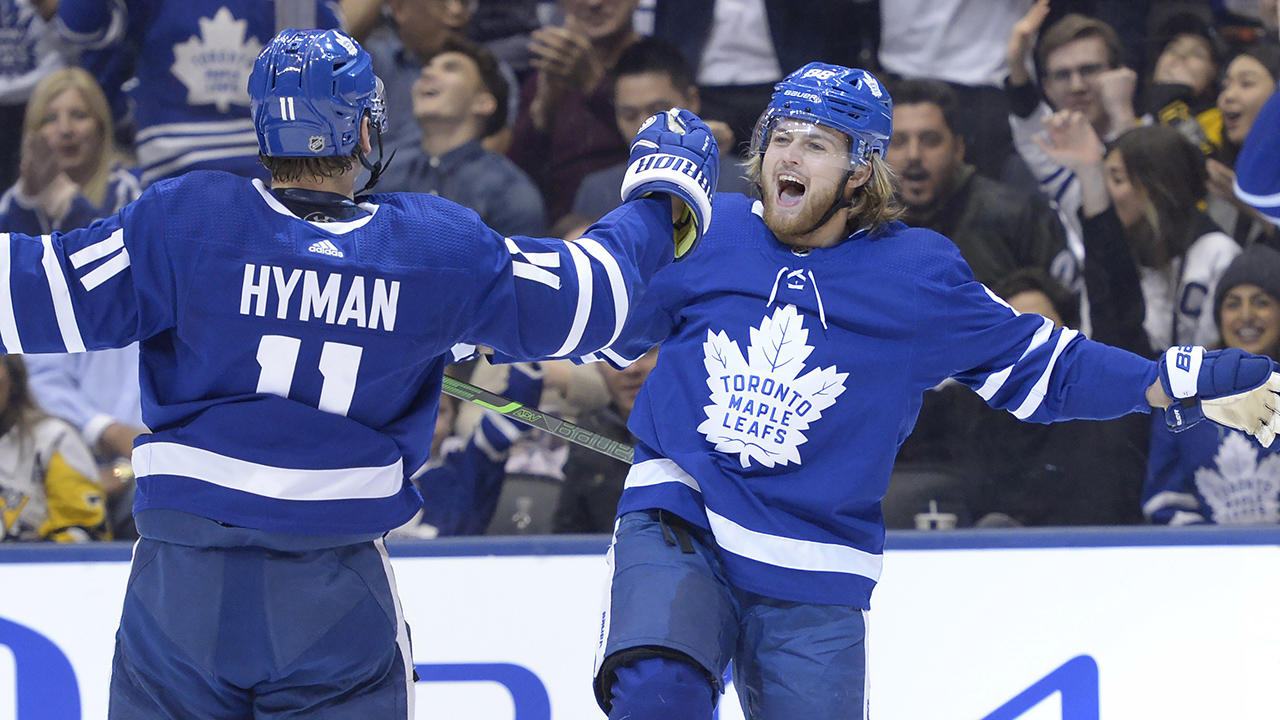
53, 85
874, 203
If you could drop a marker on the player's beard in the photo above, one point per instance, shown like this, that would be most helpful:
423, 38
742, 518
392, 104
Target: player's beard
791, 225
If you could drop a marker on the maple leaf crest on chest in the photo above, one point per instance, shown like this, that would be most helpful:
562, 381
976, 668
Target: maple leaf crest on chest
761, 403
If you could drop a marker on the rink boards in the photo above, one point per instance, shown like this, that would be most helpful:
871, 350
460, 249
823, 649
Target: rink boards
991, 625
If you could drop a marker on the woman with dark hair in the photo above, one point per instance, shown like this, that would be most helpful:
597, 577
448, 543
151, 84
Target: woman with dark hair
1250, 79
1149, 248
48, 485
1210, 474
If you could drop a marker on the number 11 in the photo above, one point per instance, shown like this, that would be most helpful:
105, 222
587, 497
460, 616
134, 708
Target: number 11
339, 364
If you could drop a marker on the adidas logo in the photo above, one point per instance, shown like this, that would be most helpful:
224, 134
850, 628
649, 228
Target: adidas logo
324, 247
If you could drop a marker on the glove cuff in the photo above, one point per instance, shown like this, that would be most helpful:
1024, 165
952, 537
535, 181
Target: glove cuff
671, 174
1180, 371
1182, 414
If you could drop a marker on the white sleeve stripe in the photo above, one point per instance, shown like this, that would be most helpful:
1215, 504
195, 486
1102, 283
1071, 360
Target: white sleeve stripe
997, 380
542, 259
1170, 499
585, 282
1259, 201
61, 295
8, 323
1036, 397
536, 274
106, 270
100, 249
616, 358
621, 303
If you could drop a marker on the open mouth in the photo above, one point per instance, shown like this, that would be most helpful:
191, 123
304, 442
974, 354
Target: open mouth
790, 190
1249, 334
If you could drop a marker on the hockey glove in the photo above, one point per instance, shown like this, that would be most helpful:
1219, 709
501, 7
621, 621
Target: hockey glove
1230, 387
675, 153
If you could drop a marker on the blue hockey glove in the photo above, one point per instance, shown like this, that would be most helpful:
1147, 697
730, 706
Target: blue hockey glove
1230, 387
496, 434
675, 153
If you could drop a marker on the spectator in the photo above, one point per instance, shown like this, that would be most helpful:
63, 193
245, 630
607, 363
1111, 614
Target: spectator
1250, 79
462, 484
1184, 85
71, 178
48, 490
415, 31
962, 43
1258, 183
29, 50
459, 98
1213, 474
593, 482
1079, 62
565, 130
1143, 229
997, 229
192, 62
651, 77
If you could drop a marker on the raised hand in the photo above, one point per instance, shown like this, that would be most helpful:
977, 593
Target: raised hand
565, 63
675, 153
1071, 141
1021, 38
1116, 88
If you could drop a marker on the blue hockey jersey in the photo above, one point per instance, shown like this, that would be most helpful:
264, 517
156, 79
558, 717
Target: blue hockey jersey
1210, 474
787, 379
1258, 166
193, 60
291, 370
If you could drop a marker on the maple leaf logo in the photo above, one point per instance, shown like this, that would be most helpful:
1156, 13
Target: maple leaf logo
215, 67
1241, 490
760, 404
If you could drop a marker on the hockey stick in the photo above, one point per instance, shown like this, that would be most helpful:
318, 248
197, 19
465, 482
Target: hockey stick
537, 419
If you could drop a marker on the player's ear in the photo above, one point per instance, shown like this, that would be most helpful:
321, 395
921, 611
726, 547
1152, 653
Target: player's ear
366, 144
860, 176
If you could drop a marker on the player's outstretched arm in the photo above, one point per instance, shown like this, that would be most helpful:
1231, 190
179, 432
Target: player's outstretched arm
1230, 387
676, 154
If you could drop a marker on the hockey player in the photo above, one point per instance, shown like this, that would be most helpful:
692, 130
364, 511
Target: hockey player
292, 344
796, 346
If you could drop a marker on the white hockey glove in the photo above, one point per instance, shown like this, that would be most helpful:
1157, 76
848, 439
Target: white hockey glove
675, 153
1230, 387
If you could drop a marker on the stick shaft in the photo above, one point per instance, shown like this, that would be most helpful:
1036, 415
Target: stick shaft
535, 418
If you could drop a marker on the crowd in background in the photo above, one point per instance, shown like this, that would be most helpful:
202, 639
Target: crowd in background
1078, 152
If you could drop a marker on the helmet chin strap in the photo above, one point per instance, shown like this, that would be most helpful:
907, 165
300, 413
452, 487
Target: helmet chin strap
836, 205
375, 168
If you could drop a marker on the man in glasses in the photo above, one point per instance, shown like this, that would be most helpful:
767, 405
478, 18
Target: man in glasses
1078, 60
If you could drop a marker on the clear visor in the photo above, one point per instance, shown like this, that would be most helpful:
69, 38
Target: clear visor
378, 106
804, 140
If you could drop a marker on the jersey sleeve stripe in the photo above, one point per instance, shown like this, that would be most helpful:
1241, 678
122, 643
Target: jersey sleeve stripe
585, 286
98, 250
536, 274
1036, 396
997, 380
1170, 499
61, 295
8, 323
541, 259
793, 553
168, 458
621, 302
106, 270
